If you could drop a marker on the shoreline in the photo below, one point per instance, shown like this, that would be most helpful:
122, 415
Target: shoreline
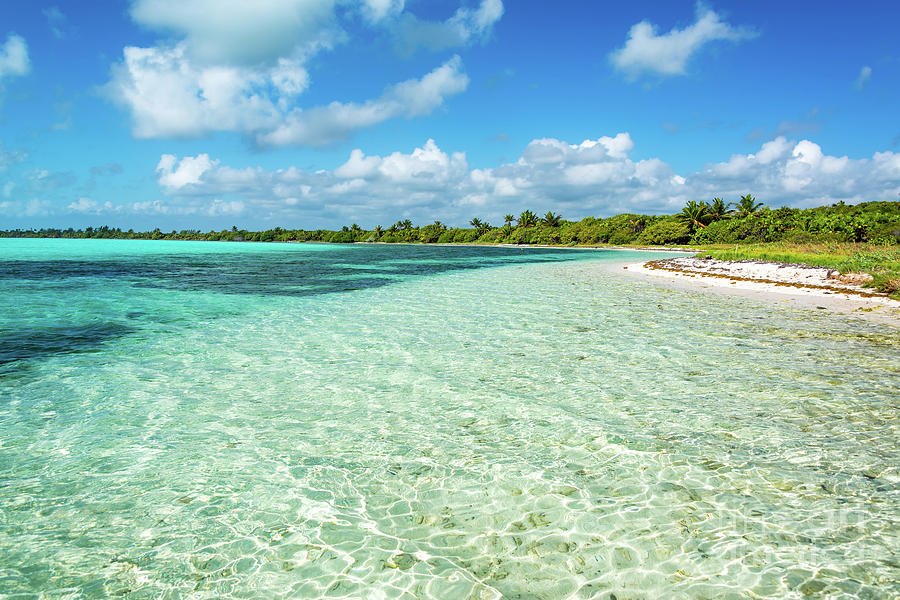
676, 249
801, 286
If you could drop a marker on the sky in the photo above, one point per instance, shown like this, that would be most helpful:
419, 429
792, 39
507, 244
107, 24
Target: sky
203, 114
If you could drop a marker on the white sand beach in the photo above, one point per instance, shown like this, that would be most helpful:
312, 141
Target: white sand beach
804, 286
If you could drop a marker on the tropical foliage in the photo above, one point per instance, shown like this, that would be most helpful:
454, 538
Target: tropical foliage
694, 214
748, 205
717, 210
699, 223
528, 219
551, 220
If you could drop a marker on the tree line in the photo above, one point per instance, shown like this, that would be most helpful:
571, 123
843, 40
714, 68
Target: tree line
699, 222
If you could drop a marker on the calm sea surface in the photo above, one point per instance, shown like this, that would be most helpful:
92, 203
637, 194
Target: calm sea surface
220, 420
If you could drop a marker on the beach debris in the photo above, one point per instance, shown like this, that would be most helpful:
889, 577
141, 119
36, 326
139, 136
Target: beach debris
779, 274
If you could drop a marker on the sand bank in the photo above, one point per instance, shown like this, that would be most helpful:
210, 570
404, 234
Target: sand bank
804, 286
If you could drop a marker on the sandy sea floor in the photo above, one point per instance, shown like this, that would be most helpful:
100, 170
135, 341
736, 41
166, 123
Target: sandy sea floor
214, 421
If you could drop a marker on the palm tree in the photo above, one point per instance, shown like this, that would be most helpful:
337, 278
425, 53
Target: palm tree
748, 205
527, 219
694, 213
406, 224
718, 209
378, 230
476, 223
508, 219
552, 220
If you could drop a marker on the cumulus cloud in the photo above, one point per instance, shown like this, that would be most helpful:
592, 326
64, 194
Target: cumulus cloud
233, 66
89, 206
237, 32
864, 75
169, 96
30, 208
323, 125
14, 57
801, 174
647, 52
174, 174
594, 177
465, 27
424, 167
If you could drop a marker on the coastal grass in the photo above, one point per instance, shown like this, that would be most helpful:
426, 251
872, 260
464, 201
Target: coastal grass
880, 261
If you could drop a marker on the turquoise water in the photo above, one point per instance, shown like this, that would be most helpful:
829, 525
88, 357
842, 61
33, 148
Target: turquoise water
215, 420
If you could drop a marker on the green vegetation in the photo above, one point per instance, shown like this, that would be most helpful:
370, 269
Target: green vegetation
882, 262
747, 206
694, 214
698, 224
863, 237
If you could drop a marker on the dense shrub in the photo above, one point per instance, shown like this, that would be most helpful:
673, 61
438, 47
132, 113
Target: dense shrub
447, 236
465, 236
666, 231
492, 236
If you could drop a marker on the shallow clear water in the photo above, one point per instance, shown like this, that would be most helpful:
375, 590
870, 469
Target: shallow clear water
213, 420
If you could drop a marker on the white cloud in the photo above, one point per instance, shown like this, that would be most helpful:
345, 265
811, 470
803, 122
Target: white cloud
241, 67
225, 207
83, 205
358, 165
14, 57
801, 174
32, 208
238, 32
378, 10
465, 27
425, 166
594, 177
89, 206
187, 172
171, 97
864, 75
771, 151
323, 125
667, 54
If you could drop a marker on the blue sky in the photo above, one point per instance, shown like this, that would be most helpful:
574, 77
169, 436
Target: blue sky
317, 113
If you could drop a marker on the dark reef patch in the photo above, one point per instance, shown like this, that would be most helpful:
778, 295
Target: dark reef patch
286, 273
35, 343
